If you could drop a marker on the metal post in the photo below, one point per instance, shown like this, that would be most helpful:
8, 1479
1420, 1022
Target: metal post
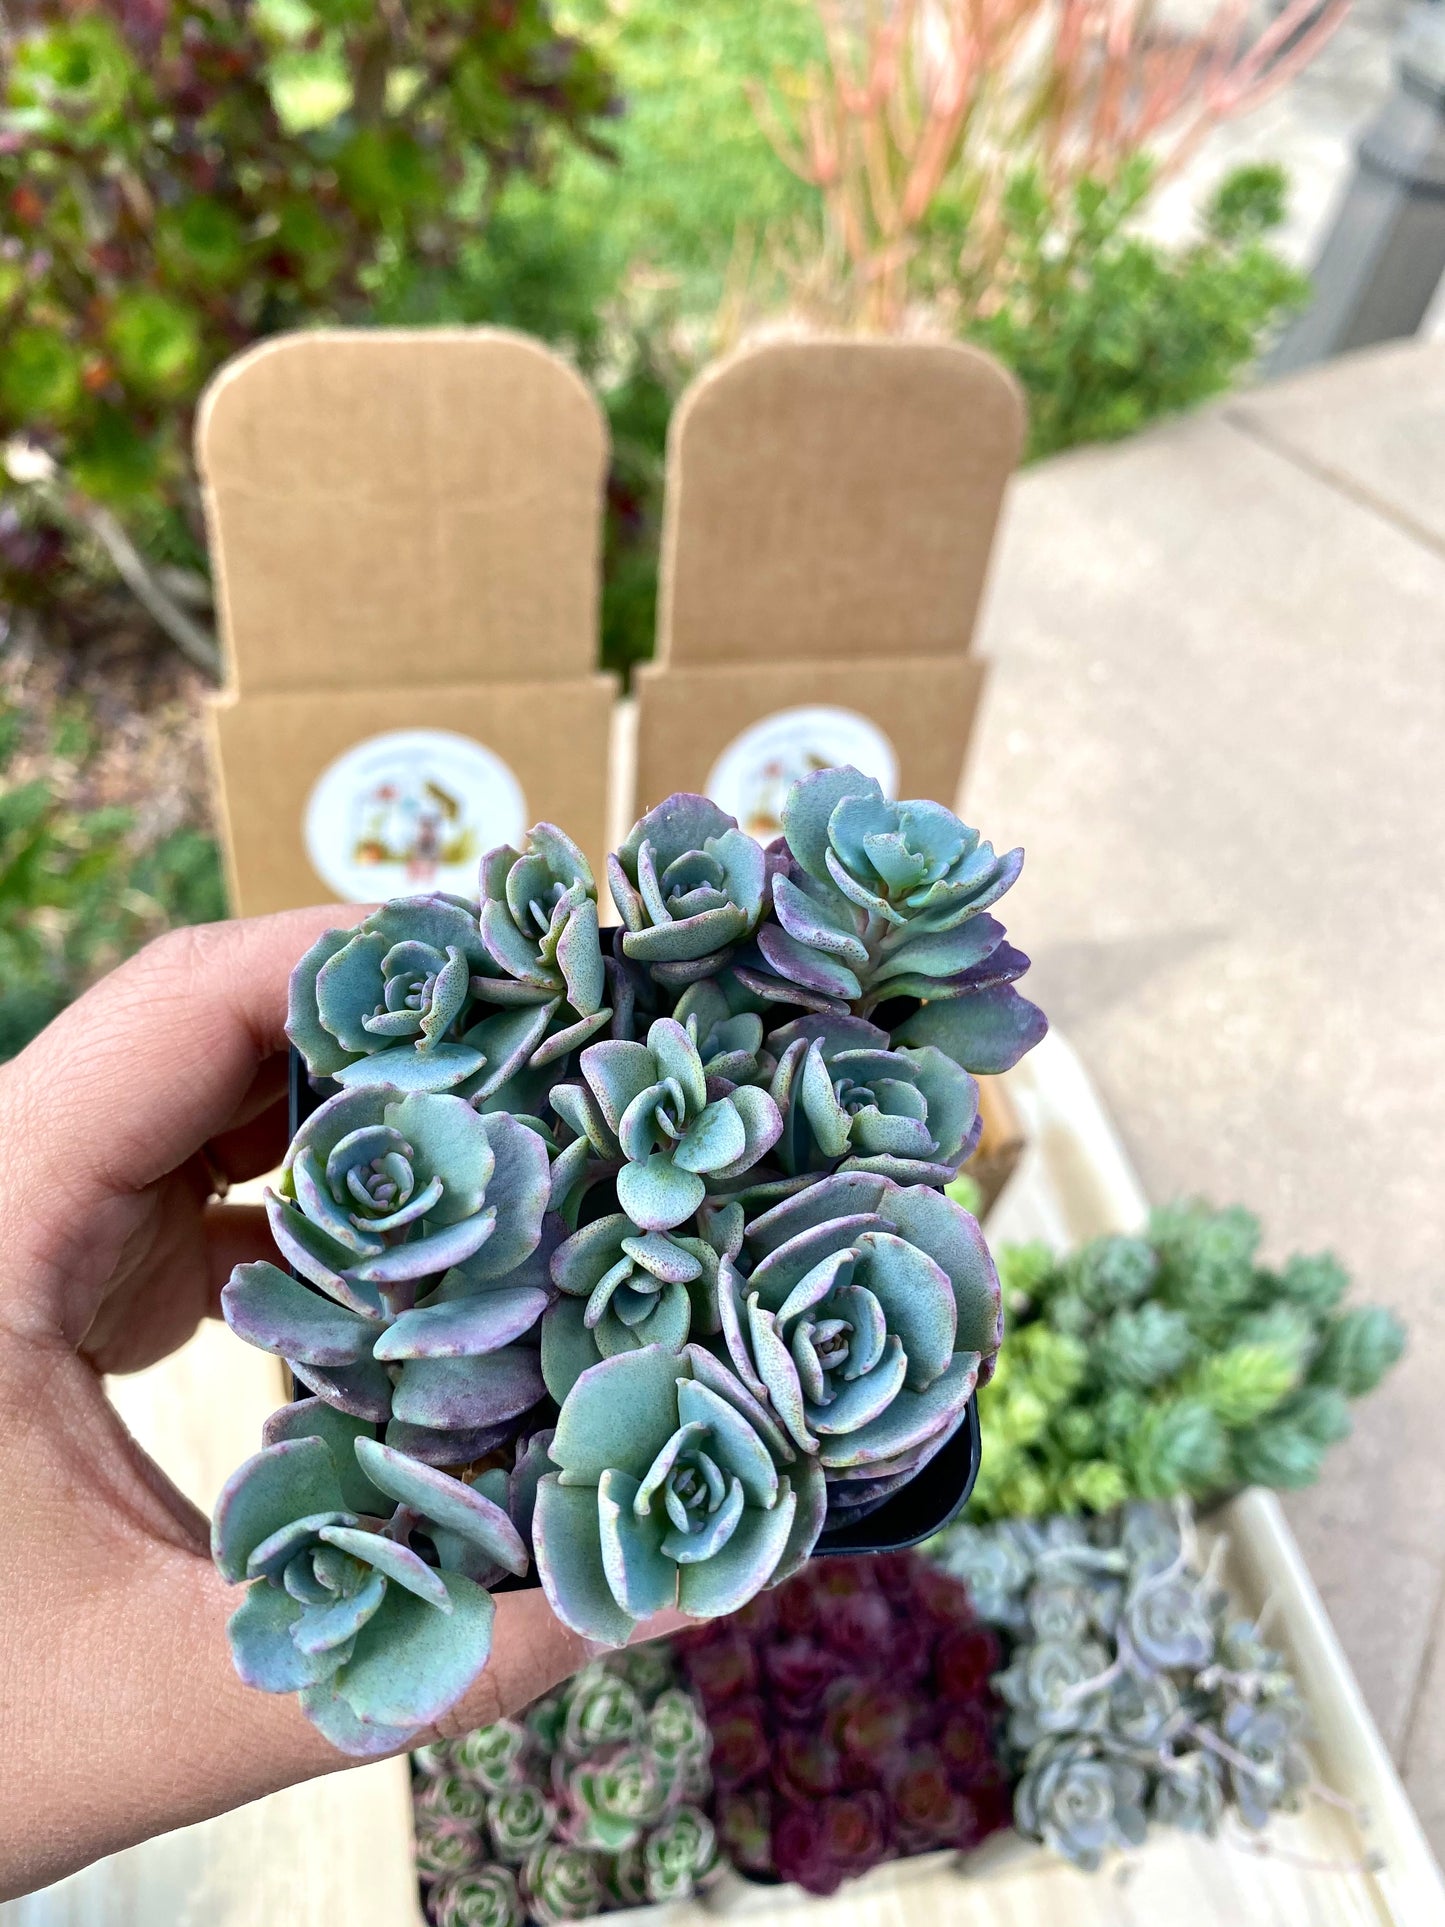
1383, 259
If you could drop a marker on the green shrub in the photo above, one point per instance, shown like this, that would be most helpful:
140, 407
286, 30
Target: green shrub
80, 889
1108, 330
1170, 1364
177, 181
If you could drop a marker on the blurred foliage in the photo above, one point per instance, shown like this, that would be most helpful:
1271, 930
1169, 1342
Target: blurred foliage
180, 177
1171, 1364
79, 889
1108, 330
176, 181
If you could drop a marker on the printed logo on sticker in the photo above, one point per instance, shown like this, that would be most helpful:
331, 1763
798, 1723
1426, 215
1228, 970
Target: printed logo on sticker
411, 811
753, 774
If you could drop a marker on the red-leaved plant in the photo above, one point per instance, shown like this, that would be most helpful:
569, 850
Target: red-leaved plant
852, 1721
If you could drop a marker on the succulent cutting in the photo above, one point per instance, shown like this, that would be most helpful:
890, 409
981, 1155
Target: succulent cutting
1172, 1363
592, 1802
617, 1260
1136, 1694
852, 1721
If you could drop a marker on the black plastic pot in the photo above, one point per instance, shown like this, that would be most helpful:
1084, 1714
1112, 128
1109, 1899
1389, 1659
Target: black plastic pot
922, 1507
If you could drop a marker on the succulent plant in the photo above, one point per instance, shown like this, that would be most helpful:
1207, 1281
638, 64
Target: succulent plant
881, 900
519, 1819
624, 1289
1171, 1364
670, 1492
378, 1004
1143, 1701
852, 1720
488, 1898
1082, 1803
689, 885
862, 1313
849, 1102
645, 1109
443, 1846
616, 1798
639, 1243
728, 1032
489, 1756
420, 1225
357, 1611
539, 924
381, 1189
677, 1855
588, 1805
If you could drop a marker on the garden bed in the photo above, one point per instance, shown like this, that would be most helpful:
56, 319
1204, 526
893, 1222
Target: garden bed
281, 1857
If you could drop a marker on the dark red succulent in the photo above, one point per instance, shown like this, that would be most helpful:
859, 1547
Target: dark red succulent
829, 1841
928, 1810
744, 1821
805, 1764
963, 1664
798, 1673
740, 1743
722, 1669
853, 1720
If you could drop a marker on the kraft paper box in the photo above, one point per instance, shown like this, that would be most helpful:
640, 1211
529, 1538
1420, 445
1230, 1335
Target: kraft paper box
406, 529
831, 508
743, 736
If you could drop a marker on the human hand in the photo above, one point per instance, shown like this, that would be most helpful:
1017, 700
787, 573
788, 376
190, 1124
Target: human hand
121, 1714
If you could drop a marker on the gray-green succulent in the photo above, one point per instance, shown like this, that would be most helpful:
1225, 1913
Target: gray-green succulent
882, 900
380, 1004
1133, 1693
862, 1313
689, 885
674, 1488
646, 1111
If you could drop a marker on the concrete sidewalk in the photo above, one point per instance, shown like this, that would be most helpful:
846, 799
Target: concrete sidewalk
1216, 723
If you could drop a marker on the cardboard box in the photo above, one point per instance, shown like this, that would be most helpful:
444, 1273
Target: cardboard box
406, 529
831, 508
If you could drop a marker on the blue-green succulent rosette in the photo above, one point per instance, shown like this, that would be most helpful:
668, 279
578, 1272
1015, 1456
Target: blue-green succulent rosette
647, 1114
674, 1487
863, 1314
382, 1003
418, 1232
878, 901
850, 1102
618, 1257
689, 885
358, 1565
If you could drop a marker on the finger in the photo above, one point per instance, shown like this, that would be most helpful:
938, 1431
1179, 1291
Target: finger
137, 1074
254, 1148
532, 1651
235, 1234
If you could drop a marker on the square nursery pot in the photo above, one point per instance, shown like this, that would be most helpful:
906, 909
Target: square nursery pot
929, 1501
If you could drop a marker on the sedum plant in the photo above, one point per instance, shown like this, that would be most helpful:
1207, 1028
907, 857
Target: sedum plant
1136, 1693
618, 1261
1172, 1363
852, 1721
593, 1802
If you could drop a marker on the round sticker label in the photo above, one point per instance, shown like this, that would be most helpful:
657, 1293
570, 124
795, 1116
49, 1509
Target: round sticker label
411, 811
754, 773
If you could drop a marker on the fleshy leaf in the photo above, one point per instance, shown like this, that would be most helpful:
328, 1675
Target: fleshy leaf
278, 1314
281, 1483
265, 1654
566, 1537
